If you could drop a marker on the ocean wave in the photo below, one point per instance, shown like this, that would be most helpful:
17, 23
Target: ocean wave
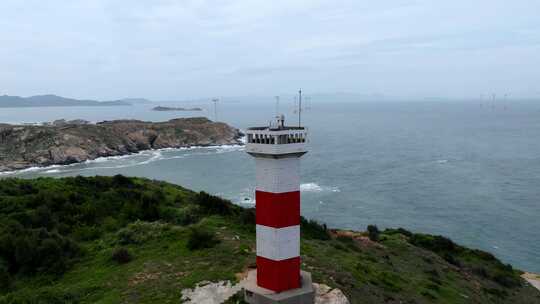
246, 201
31, 169
246, 196
314, 187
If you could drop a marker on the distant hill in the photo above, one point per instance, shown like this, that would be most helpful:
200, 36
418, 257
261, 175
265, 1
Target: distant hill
50, 100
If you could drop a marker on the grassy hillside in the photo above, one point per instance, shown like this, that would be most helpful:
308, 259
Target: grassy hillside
128, 240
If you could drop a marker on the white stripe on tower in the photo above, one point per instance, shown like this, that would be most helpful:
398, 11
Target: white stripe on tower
278, 175
278, 243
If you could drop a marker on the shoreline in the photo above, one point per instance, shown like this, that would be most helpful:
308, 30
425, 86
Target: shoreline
113, 157
64, 143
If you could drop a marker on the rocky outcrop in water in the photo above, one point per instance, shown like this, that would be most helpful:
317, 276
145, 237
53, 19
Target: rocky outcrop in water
164, 109
24, 146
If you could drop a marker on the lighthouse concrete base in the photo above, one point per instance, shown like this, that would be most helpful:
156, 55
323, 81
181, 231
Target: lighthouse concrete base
254, 294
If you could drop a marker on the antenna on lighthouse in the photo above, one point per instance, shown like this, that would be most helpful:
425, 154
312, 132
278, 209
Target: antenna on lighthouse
300, 108
215, 101
277, 106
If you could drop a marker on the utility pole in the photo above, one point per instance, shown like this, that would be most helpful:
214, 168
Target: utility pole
215, 101
277, 105
300, 108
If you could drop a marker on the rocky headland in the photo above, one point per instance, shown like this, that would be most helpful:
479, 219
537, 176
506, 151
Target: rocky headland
25, 146
163, 109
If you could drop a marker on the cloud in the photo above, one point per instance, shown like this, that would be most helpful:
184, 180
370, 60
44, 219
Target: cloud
109, 49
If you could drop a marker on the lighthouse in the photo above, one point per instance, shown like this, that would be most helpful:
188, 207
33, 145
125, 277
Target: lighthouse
277, 150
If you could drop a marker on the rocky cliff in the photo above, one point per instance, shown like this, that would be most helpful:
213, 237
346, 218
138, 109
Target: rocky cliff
59, 144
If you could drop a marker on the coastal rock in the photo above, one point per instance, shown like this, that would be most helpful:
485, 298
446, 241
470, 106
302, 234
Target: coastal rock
67, 142
533, 279
324, 294
210, 293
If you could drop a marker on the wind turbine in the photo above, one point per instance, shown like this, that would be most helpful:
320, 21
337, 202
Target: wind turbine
277, 105
300, 108
505, 99
215, 101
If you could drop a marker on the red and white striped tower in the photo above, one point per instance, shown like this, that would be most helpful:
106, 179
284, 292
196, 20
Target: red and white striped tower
277, 150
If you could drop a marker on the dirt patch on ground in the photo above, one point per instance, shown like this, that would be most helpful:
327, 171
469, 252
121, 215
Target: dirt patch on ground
142, 277
359, 237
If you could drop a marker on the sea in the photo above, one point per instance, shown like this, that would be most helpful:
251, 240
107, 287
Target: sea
468, 170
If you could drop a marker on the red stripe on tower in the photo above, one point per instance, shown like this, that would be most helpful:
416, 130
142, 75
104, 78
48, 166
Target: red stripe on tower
278, 210
278, 275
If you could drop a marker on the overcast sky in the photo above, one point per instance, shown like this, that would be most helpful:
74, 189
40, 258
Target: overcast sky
107, 49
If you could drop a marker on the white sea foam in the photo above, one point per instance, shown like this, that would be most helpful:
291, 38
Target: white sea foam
243, 139
31, 169
247, 201
246, 197
442, 161
314, 187
155, 155
310, 187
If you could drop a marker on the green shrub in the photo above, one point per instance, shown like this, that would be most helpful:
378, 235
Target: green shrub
110, 224
450, 258
391, 281
480, 271
311, 229
140, 232
37, 250
121, 255
122, 181
44, 296
86, 233
211, 204
190, 214
199, 238
247, 217
506, 279
348, 242
486, 256
5, 277
436, 243
373, 233
39, 217
496, 292
402, 231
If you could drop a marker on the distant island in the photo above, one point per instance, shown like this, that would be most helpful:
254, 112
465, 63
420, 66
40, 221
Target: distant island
161, 108
50, 100
64, 142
